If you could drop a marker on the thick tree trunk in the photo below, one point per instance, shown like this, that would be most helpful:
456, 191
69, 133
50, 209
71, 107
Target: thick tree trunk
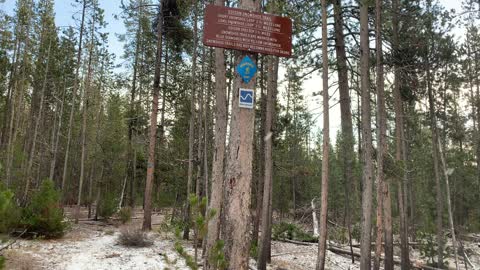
147, 215
346, 116
216, 197
381, 134
266, 219
238, 171
365, 259
322, 239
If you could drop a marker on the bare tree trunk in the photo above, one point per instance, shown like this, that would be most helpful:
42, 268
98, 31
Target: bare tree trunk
201, 90
191, 133
365, 241
433, 123
90, 190
399, 136
346, 115
381, 135
74, 97
387, 223
265, 237
53, 162
132, 116
84, 121
147, 215
260, 158
216, 198
449, 206
322, 239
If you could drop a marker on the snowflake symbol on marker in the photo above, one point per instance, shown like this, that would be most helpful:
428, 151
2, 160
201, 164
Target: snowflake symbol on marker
246, 69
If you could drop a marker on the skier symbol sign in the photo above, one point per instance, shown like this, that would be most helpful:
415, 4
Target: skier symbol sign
246, 69
245, 99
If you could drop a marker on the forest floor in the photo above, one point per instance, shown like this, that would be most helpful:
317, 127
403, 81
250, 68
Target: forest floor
92, 245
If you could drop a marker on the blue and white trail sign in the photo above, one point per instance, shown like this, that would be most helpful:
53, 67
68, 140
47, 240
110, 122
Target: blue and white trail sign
246, 69
245, 99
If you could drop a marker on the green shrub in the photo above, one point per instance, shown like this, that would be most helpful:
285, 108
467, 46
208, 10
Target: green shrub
217, 257
189, 260
429, 247
10, 214
254, 250
125, 214
2, 262
44, 214
285, 230
107, 206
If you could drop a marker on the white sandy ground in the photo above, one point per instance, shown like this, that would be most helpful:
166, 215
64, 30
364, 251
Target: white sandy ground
93, 246
97, 251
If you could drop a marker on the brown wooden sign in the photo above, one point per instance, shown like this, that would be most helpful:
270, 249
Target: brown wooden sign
244, 30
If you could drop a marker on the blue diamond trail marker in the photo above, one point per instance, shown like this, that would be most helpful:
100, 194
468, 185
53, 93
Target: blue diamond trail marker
246, 69
245, 99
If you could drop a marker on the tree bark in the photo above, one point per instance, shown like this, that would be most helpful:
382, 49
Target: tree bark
260, 154
266, 220
365, 259
345, 114
449, 206
381, 134
191, 133
399, 137
56, 133
147, 215
84, 121
216, 197
436, 166
322, 239
238, 171
132, 116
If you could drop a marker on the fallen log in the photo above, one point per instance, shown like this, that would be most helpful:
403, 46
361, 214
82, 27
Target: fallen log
289, 253
298, 242
14, 241
395, 244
